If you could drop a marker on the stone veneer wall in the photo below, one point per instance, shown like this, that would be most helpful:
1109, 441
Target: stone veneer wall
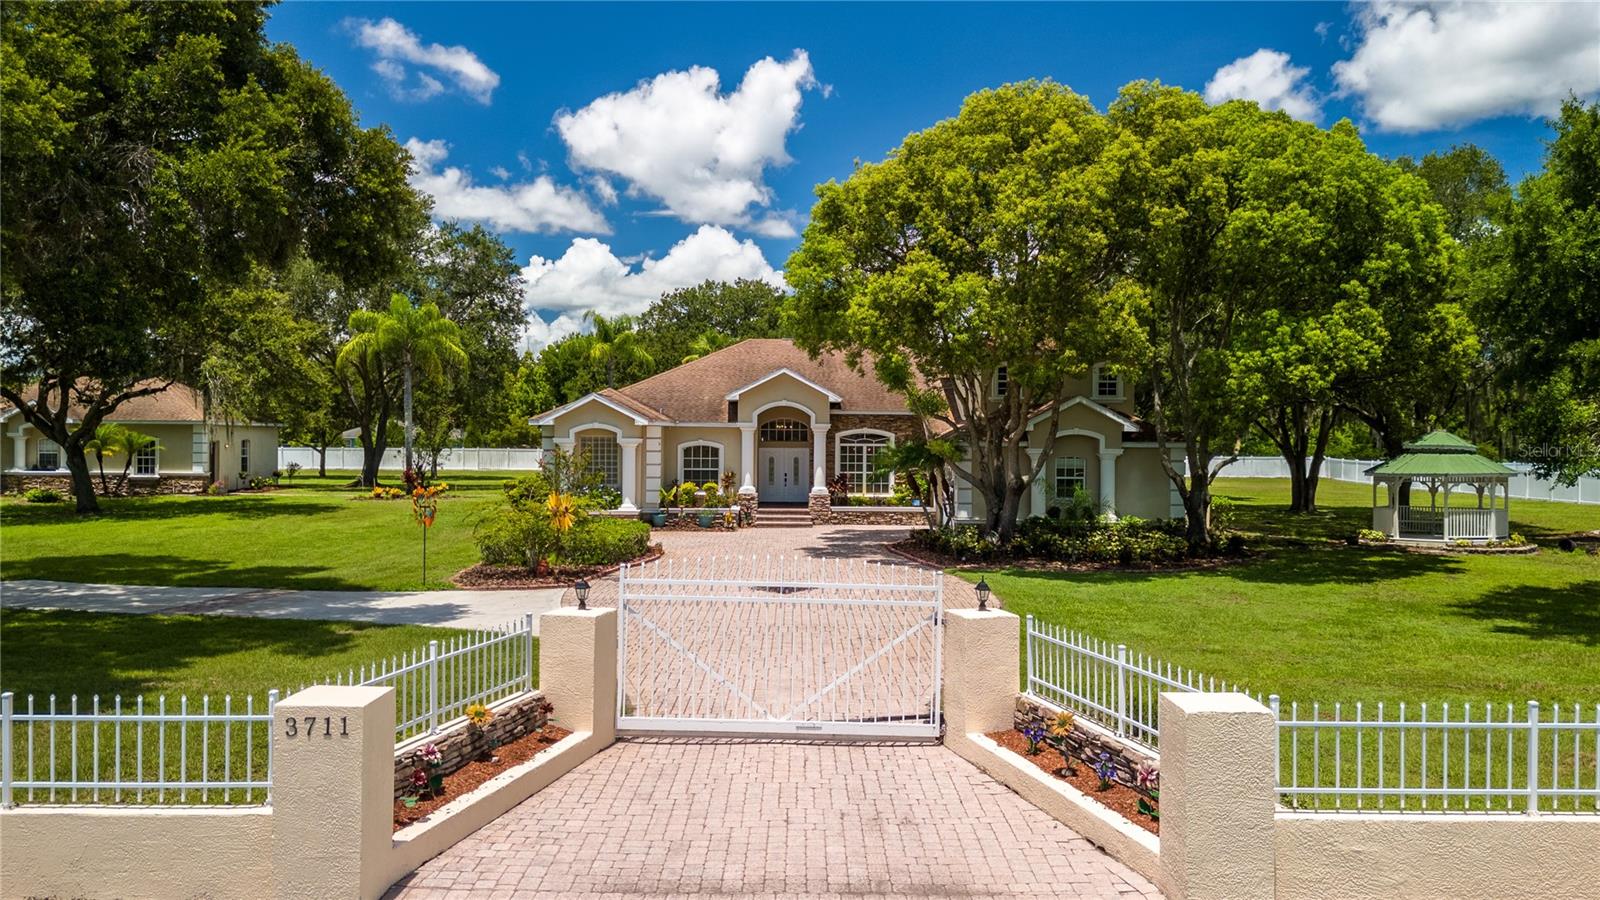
821, 507
748, 503
461, 745
136, 487
1084, 744
913, 516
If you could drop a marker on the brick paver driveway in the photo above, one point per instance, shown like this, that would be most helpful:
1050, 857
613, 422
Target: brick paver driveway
869, 542
655, 818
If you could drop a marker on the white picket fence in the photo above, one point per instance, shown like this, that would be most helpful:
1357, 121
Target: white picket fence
1358, 757
1522, 486
1103, 682
434, 685
455, 459
111, 753
219, 750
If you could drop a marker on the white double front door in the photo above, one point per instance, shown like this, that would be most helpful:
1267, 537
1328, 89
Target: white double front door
783, 474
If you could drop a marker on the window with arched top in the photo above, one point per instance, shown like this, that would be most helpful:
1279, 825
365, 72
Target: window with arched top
857, 455
785, 431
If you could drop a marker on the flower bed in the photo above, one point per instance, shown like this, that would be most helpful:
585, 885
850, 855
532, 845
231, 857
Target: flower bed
1118, 797
477, 772
488, 576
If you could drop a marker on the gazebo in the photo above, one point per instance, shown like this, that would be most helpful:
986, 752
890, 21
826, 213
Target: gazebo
1443, 464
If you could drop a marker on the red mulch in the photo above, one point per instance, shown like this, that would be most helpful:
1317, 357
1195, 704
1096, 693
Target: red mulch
486, 577
910, 549
475, 773
1121, 798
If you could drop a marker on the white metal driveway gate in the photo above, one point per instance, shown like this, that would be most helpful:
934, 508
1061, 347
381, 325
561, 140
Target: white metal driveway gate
795, 647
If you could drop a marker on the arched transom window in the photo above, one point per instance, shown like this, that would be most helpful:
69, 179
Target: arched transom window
785, 431
857, 452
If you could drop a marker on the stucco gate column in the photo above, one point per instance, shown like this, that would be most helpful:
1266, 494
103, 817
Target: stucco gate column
630, 472
332, 792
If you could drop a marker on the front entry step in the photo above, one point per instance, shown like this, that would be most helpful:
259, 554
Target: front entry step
783, 518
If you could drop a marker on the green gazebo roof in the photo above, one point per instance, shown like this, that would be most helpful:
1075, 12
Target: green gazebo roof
1441, 453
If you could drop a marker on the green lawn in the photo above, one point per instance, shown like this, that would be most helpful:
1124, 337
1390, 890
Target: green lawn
1310, 620
316, 534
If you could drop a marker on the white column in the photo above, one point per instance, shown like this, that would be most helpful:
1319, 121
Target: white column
19, 449
747, 458
1036, 484
629, 448
1108, 482
819, 459
652, 466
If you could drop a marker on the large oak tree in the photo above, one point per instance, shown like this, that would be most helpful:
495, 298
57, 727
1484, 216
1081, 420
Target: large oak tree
155, 153
988, 240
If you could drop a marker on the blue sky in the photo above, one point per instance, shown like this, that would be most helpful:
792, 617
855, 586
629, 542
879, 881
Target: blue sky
591, 138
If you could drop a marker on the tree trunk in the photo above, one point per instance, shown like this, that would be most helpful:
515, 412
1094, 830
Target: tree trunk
82, 484
322, 461
1197, 514
100, 460
409, 463
1319, 452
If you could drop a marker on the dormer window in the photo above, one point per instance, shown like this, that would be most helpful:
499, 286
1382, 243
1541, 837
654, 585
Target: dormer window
1001, 382
1107, 384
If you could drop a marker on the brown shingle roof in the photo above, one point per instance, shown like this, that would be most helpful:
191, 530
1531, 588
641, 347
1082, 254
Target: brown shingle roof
178, 403
697, 391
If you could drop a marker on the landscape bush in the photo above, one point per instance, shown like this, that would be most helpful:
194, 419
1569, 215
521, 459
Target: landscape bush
603, 541
41, 495
1128, 542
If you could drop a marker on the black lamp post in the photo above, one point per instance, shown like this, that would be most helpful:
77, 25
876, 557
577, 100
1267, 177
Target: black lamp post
983, 595
582, 590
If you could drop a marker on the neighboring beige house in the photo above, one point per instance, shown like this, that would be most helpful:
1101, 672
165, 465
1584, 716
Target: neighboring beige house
784, 424
192, 450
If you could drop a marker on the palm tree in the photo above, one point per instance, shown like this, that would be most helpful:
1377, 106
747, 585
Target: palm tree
614, 340
133, 443
418, 337
109, 440
707, 344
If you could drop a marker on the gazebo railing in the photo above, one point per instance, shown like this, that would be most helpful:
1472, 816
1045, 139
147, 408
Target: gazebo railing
1425, 522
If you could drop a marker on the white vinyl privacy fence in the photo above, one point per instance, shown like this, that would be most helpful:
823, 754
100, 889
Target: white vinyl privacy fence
455, 459
1441, 757
218, 750
1523, 486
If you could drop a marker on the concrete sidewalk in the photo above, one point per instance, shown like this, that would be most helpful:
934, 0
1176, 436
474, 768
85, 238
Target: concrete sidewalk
445, 609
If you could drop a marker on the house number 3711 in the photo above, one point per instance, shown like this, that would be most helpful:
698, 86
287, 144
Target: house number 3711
312, 725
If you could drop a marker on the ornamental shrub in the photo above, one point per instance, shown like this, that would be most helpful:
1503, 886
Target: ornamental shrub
41, 495
603, 541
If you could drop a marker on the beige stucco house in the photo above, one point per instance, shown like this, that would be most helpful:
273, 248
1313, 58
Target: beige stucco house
192, 449
785, 424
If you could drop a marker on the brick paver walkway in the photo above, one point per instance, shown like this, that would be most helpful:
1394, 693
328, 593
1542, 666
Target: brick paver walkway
673, 818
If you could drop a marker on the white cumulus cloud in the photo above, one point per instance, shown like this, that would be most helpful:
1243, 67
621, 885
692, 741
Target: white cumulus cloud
702, 153
539, 205
1418, 67
1266, 77
589, 276
396, 45
538, 333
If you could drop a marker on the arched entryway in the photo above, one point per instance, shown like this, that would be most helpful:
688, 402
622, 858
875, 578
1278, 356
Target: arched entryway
783, 456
